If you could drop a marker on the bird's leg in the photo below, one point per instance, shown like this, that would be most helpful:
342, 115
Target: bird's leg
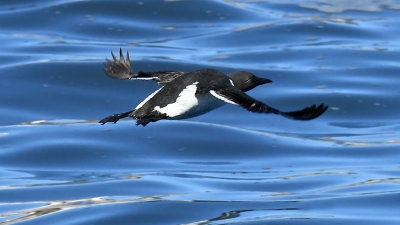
115, 117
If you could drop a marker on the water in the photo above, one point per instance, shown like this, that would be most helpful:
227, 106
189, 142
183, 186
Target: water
59, 166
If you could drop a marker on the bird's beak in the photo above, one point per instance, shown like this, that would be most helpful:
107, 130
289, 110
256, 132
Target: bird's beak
259, 80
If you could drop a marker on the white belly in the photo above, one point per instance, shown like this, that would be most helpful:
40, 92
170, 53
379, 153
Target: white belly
206, 103
187, 104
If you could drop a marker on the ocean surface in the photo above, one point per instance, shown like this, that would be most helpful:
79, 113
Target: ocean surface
229, 166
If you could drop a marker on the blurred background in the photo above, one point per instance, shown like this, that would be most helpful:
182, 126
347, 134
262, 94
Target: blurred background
229, 166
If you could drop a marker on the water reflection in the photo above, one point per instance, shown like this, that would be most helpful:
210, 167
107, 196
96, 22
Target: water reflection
224, 216
374, 137
49, 207
340, 6
58, 122
362, 185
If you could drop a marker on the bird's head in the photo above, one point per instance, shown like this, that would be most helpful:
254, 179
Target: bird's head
246, 81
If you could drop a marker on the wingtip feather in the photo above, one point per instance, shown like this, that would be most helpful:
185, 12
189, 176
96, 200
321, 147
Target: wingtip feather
128, 60
307, 113
114, 58
121, 56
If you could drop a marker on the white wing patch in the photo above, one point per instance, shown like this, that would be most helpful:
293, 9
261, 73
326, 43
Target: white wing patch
231, 82
185, 101
147, 99
221, 97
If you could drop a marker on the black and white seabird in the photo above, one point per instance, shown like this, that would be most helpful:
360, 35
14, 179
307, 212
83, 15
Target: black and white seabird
185, 95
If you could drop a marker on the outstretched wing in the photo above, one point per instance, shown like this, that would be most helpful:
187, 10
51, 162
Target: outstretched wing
119, 69
122, 69
234, 95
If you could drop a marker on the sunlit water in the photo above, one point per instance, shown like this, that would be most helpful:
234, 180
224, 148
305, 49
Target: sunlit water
59, 166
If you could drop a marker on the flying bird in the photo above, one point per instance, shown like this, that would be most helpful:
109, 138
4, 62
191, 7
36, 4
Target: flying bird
186, 95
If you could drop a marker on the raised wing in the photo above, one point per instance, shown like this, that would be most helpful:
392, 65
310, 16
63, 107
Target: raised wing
122, 69
119, 69
234, 95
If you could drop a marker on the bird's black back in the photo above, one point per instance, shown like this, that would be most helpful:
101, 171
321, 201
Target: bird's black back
208, 79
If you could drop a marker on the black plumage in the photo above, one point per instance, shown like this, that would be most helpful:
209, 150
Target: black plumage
185, 95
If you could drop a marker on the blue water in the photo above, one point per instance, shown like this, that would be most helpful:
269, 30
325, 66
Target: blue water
230, 166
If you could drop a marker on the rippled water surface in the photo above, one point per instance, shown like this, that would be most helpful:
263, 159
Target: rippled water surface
59, 166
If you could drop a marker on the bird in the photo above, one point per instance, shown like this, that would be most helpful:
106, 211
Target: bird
188, 94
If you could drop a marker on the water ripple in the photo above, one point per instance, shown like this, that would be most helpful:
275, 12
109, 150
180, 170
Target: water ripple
229, 166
